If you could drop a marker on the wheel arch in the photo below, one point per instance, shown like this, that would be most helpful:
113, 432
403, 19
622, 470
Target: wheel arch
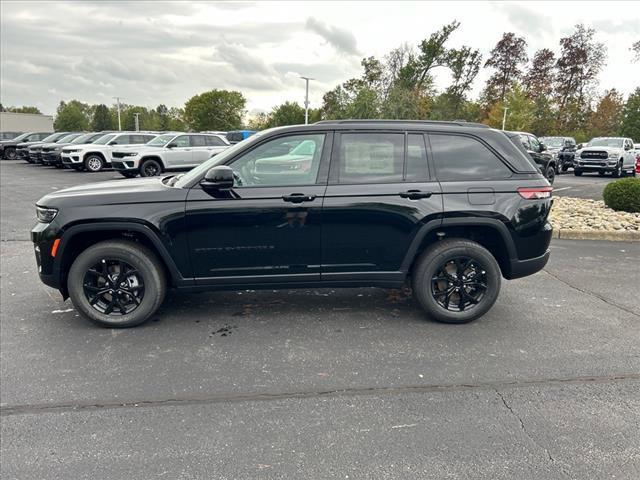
79, 237
492, 234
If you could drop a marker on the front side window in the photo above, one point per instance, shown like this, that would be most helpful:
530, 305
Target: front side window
121, 140
370, 158
281, 162
459, 158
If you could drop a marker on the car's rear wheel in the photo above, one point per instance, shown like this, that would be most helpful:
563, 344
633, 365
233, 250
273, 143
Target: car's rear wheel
150, 168
117, 283
456, 281
550, 174
93, 163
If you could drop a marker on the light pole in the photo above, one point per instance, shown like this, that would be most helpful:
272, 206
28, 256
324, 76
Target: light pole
306, 99
504, 117
137, 121
119, 124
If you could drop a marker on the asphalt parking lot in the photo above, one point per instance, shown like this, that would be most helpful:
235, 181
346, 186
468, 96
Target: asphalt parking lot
589, 185
321, 383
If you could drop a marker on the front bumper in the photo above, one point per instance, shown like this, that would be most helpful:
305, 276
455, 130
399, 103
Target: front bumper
71, 159
124, 165
51, 158
596, 166
43, 237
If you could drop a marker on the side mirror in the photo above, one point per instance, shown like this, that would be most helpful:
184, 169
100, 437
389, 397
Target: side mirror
579, 146
172, 145
543, 147
218, 178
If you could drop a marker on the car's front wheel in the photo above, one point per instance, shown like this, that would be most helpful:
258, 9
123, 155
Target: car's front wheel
10, 154
456, 281
150, 168
617, 173
117, 283
93, 163
550, 174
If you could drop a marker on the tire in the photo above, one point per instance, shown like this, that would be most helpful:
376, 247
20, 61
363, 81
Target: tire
577, 173
93, 163
550, 173
129, 174
145, 280
564, 169
10, 154
601, 174
150, 168
617, 173
431, 263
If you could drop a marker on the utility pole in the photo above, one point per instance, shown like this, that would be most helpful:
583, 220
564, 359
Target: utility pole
504, 117
137, 121
119, 123
306, 99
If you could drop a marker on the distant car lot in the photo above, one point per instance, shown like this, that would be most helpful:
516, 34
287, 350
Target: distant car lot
586, 186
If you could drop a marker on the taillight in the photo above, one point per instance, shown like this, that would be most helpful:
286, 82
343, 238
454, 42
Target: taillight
535, 193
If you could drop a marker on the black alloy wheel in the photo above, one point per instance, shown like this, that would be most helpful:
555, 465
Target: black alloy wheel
113, 287
150, 168
459, 284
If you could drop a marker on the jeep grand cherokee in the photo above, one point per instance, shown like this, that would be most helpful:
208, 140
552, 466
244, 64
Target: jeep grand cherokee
451, 207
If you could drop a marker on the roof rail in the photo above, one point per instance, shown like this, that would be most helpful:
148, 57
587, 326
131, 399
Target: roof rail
458, 123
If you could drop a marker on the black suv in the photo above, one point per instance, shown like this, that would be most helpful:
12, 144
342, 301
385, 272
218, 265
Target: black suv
8, 148
452, 207
537, 151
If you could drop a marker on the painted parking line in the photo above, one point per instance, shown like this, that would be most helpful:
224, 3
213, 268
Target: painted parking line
560, 189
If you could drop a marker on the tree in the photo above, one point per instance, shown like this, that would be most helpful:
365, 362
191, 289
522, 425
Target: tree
507, 58
164, 120
607, 118
538, 80
289, 113
465, 65
101, 118
72, 116
635, 48
520, 113
631, 116
215, 110
581, 60
23, 109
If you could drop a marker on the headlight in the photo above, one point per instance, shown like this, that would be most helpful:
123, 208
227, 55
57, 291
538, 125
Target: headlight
613, 155
46, 215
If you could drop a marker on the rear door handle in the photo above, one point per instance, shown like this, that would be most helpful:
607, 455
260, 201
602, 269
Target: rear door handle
415, 194
298, 198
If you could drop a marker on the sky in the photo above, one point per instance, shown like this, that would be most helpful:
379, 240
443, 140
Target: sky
149, 53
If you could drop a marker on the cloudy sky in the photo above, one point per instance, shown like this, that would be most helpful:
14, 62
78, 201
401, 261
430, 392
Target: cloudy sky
165, 52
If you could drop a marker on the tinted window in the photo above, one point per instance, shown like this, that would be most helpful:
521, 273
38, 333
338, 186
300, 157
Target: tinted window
370, 158
416, 158
197, 141
524, 141
460, 158
147, 138
535, 144
215, 142
277, 162
137, 139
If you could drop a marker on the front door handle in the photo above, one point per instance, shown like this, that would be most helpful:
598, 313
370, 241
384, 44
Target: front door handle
415, 194
298, 198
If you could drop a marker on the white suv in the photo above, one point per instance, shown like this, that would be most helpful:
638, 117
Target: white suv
171, 151
606, 154
93, 157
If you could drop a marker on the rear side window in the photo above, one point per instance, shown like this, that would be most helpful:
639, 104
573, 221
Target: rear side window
197, 141
214, 142
371, 158
459, 158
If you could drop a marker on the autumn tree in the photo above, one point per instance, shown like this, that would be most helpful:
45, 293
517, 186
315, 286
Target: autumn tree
507, 59
581, 60
538, 79
635, 48
519, 113
606, 120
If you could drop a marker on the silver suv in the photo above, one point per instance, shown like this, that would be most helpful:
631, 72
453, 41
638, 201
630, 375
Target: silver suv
171, 151
606, 154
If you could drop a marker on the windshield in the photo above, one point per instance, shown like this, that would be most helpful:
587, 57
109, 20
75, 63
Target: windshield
553, 142
220, 158
68, 138
160, 141
606, 142
51, 138
86, 138
104, 140
20, 137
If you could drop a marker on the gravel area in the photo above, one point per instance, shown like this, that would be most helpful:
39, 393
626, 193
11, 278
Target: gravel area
590, 215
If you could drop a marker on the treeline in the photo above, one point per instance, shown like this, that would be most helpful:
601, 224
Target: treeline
545, 94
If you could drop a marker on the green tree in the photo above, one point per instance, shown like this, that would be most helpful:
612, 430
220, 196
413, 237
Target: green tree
72, 116
164, 119
101, 118
289, 113
23, 109
631, 116
520, 113
215, 110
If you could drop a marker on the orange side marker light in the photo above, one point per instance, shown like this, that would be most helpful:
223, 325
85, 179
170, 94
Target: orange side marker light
54, 248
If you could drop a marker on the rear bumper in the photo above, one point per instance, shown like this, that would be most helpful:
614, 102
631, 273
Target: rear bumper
523, 268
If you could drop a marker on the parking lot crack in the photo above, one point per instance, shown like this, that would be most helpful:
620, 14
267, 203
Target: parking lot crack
592, 294
528, 435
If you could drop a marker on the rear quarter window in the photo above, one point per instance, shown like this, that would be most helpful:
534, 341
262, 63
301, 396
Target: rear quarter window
459, 158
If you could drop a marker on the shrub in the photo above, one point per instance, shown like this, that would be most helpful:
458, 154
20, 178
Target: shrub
623, 195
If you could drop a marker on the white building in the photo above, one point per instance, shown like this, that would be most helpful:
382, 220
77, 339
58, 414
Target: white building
25, 122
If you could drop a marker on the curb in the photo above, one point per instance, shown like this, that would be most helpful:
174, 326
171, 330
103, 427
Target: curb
612, 236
